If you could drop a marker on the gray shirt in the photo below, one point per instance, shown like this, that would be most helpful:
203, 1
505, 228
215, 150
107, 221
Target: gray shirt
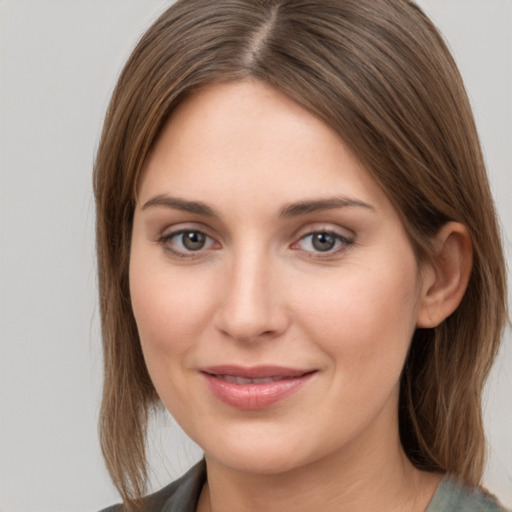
183, 495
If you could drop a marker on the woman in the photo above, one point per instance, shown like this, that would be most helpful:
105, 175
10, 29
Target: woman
299, 257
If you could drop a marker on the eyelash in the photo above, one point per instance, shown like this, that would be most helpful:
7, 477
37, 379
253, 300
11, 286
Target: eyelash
342, 243
166, 242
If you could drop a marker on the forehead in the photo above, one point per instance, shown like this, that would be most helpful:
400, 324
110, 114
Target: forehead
248, 140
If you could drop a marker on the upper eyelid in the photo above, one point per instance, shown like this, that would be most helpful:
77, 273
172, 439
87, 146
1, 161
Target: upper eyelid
298, 234
324, 227
168, 232
341, 237
326, 230
177, 232
184, 227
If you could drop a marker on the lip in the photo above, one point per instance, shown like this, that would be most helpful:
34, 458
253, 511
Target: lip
253, 388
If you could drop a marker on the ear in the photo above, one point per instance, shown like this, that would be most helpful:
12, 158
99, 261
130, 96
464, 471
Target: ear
445, 279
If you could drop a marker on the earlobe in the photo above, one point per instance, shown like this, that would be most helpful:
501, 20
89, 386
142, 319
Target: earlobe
446, 279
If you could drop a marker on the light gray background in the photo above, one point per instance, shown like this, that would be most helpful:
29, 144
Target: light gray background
58, 63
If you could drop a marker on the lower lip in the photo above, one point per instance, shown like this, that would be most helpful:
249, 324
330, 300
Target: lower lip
255, 396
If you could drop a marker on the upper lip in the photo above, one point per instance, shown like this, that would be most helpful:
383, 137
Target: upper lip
255, 372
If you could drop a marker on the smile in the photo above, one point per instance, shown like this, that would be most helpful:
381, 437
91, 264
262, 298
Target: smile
254, 388
242, 380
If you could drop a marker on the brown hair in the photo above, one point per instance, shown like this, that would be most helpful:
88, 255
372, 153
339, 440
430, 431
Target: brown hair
380, 74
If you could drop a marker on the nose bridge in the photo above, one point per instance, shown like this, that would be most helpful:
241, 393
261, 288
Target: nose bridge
250, 305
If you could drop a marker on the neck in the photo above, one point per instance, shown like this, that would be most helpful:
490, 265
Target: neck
371, 474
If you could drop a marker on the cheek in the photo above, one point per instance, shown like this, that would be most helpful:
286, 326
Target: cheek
171, 312
364, 317
169, 307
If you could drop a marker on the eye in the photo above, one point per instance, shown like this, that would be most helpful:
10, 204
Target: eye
186, 242
323, 242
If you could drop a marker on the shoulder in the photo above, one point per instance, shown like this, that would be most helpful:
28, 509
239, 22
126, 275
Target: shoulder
179, 496
453, 496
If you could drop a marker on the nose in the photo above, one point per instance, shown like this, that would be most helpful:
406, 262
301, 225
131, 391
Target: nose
252, 302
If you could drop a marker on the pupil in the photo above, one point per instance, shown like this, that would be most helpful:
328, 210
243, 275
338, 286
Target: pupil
193, 240
323, 241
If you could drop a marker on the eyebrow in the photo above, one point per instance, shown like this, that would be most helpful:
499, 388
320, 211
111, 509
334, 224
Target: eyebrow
316, 205
290, 210
176, 203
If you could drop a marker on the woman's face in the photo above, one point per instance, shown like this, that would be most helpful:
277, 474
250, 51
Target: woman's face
273, 284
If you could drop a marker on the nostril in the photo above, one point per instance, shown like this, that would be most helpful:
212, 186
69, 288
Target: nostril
247, 335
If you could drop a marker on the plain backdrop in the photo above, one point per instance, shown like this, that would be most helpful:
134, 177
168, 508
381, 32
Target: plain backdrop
58, 64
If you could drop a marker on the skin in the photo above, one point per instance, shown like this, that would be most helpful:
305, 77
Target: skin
259, 292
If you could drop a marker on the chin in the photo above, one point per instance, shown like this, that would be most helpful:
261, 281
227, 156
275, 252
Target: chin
257, 461
261, 451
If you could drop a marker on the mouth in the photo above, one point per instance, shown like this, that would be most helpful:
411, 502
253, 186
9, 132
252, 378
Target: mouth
243, 380
255, 387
